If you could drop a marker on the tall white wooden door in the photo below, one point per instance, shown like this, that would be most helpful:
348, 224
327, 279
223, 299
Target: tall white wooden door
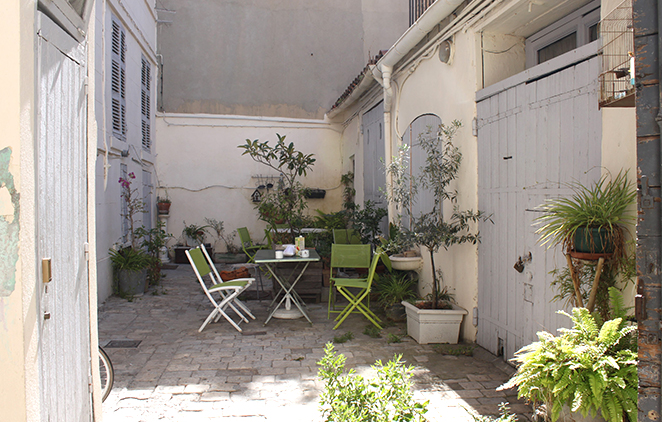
532, 137
62, 225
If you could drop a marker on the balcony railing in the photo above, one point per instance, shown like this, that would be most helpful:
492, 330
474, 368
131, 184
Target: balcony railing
416, 9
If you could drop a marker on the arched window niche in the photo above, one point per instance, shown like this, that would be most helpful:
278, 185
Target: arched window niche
417, 128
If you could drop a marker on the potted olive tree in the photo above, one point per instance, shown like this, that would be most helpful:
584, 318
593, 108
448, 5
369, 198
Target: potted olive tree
434, 319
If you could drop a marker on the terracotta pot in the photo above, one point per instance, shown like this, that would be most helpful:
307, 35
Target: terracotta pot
164, 207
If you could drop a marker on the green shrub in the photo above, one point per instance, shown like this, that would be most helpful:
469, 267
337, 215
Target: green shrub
348, 397
343, 338
585, 367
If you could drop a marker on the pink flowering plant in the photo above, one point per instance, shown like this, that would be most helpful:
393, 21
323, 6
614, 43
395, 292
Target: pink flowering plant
134, 205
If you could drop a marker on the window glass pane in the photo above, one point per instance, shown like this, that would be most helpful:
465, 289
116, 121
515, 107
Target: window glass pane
593, 33
78, 6
557, 48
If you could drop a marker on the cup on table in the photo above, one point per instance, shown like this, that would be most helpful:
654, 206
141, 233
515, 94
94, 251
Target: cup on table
279, 254
305, 253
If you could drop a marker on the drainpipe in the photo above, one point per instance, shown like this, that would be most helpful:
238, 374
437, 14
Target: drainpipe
649, 236
388, 101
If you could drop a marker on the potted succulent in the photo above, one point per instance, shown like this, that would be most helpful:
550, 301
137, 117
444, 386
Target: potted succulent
435, 319
592, 220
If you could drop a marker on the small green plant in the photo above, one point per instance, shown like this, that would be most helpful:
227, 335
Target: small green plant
384, 398
195, 232
455, 349
392, 288
343, 338
393, 338
585, 368
372, 331
367, 222
504, 415
218, 231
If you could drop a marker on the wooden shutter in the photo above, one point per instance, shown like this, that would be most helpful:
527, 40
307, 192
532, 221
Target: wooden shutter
145, 101
118, 80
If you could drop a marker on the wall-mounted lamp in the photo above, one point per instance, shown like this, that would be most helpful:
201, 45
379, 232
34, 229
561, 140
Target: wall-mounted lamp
446, 51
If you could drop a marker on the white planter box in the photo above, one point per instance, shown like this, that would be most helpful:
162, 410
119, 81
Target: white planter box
434, 325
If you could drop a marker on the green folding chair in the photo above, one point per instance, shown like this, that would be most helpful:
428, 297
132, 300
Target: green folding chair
227, 290
247, 244
343, 257
356, 300
346, 237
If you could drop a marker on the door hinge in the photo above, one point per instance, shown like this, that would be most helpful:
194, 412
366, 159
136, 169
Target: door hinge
646, 200
474, 126
86, 248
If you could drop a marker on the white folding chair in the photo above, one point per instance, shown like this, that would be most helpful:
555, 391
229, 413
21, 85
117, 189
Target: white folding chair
228, 290
216, 279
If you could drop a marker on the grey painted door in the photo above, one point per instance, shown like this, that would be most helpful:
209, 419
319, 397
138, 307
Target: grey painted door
374, 177
62, 225
373, 151
532, 137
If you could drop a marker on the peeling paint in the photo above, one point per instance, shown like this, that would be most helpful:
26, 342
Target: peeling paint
9, 227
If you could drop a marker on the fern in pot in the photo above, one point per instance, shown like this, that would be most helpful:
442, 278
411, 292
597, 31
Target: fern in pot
592, 220
590, 368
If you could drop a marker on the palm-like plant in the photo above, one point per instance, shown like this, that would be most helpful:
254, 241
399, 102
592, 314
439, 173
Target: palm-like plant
601, 206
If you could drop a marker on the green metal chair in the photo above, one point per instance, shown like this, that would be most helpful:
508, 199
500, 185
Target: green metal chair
343, 257
247, 245
356, 300
346, 237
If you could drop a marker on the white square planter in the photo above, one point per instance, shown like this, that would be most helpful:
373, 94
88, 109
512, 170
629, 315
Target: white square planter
434, 325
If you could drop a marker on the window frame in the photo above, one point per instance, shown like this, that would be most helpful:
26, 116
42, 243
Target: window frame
577, 22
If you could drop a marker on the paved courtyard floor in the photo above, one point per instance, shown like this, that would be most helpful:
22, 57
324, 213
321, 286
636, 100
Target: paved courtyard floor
266, 373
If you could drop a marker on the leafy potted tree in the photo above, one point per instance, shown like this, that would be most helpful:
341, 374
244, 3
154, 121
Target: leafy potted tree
435, 319
287, 202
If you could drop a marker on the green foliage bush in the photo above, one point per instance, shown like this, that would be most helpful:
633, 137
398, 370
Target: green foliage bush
348, 397
585, 367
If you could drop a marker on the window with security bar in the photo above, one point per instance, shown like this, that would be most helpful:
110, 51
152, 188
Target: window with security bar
617, 73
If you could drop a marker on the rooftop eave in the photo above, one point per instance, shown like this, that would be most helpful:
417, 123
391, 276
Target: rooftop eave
364, 85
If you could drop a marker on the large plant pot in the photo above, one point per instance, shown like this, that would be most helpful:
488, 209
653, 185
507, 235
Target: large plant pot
132, 283
593, 240
434, 325
406, 263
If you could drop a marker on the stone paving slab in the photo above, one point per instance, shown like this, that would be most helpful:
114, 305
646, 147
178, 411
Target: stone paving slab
267, 373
